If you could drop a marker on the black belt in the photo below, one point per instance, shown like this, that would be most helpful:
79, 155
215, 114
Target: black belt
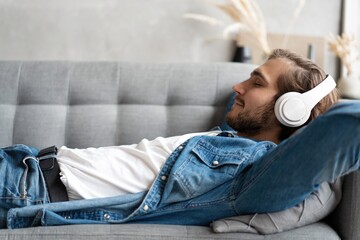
51, 171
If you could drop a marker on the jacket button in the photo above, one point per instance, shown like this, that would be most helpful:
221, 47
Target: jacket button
215, 163
107, 216
146, 207
163, 178
181, 147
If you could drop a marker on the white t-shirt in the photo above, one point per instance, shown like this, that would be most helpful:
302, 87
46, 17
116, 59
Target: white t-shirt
115, 170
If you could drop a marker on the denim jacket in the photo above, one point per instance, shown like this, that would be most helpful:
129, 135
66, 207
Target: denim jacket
200, 177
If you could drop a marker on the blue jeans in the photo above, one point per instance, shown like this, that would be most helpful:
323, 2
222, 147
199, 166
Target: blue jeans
21, 182
265, 178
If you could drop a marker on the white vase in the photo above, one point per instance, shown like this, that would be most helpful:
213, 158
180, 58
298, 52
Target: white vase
349, 85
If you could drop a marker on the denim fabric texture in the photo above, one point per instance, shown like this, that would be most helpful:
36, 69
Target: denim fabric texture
22, 183
204, 179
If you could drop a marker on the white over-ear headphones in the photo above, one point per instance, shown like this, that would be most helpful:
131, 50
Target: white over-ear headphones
293, 109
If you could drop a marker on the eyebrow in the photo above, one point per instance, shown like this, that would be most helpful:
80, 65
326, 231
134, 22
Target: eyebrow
259, 74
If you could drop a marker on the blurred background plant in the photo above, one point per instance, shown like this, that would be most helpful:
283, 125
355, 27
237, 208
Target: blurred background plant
347, 48
247, 17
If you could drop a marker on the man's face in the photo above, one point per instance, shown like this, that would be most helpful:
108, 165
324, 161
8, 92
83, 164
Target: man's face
253, 109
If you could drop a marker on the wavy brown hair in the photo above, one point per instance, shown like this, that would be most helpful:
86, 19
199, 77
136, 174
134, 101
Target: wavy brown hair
302, 76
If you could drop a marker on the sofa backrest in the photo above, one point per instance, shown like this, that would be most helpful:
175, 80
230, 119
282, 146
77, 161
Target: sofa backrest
91, 104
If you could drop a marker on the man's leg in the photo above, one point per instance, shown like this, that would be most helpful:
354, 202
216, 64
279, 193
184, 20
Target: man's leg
326, 149
21, 182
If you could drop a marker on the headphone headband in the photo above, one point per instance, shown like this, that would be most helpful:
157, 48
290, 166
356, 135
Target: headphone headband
314, 96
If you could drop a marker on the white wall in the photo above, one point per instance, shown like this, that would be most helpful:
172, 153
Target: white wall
132, 30
318, 17
351, 22
139, 30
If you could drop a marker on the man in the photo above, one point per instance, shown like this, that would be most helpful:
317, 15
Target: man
200, 177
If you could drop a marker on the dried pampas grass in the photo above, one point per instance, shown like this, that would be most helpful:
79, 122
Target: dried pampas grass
204, 18
250, 14
247, 17
346, 48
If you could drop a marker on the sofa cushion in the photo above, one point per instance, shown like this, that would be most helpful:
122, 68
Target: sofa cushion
317, 206
156, 232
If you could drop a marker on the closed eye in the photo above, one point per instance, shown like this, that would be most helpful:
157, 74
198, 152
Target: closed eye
258, 82
258, 78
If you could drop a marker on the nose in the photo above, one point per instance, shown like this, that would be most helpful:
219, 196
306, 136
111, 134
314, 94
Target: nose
239, 88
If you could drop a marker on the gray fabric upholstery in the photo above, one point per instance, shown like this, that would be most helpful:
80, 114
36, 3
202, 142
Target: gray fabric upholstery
83, 104
97, 104
346, 217
158, 232
313, 209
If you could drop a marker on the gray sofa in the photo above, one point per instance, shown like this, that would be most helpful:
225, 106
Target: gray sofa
83, 104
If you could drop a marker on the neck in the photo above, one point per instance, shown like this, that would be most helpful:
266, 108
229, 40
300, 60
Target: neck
263, 135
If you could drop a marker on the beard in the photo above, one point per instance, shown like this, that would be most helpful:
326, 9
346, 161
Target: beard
253, 121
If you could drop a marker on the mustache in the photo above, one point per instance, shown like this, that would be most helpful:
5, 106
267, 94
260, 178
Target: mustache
239, 100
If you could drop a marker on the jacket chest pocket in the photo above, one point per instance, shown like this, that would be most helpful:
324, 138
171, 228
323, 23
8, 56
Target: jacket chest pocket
204, 169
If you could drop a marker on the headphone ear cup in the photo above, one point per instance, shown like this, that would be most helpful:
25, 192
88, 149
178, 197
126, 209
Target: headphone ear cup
291, 110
